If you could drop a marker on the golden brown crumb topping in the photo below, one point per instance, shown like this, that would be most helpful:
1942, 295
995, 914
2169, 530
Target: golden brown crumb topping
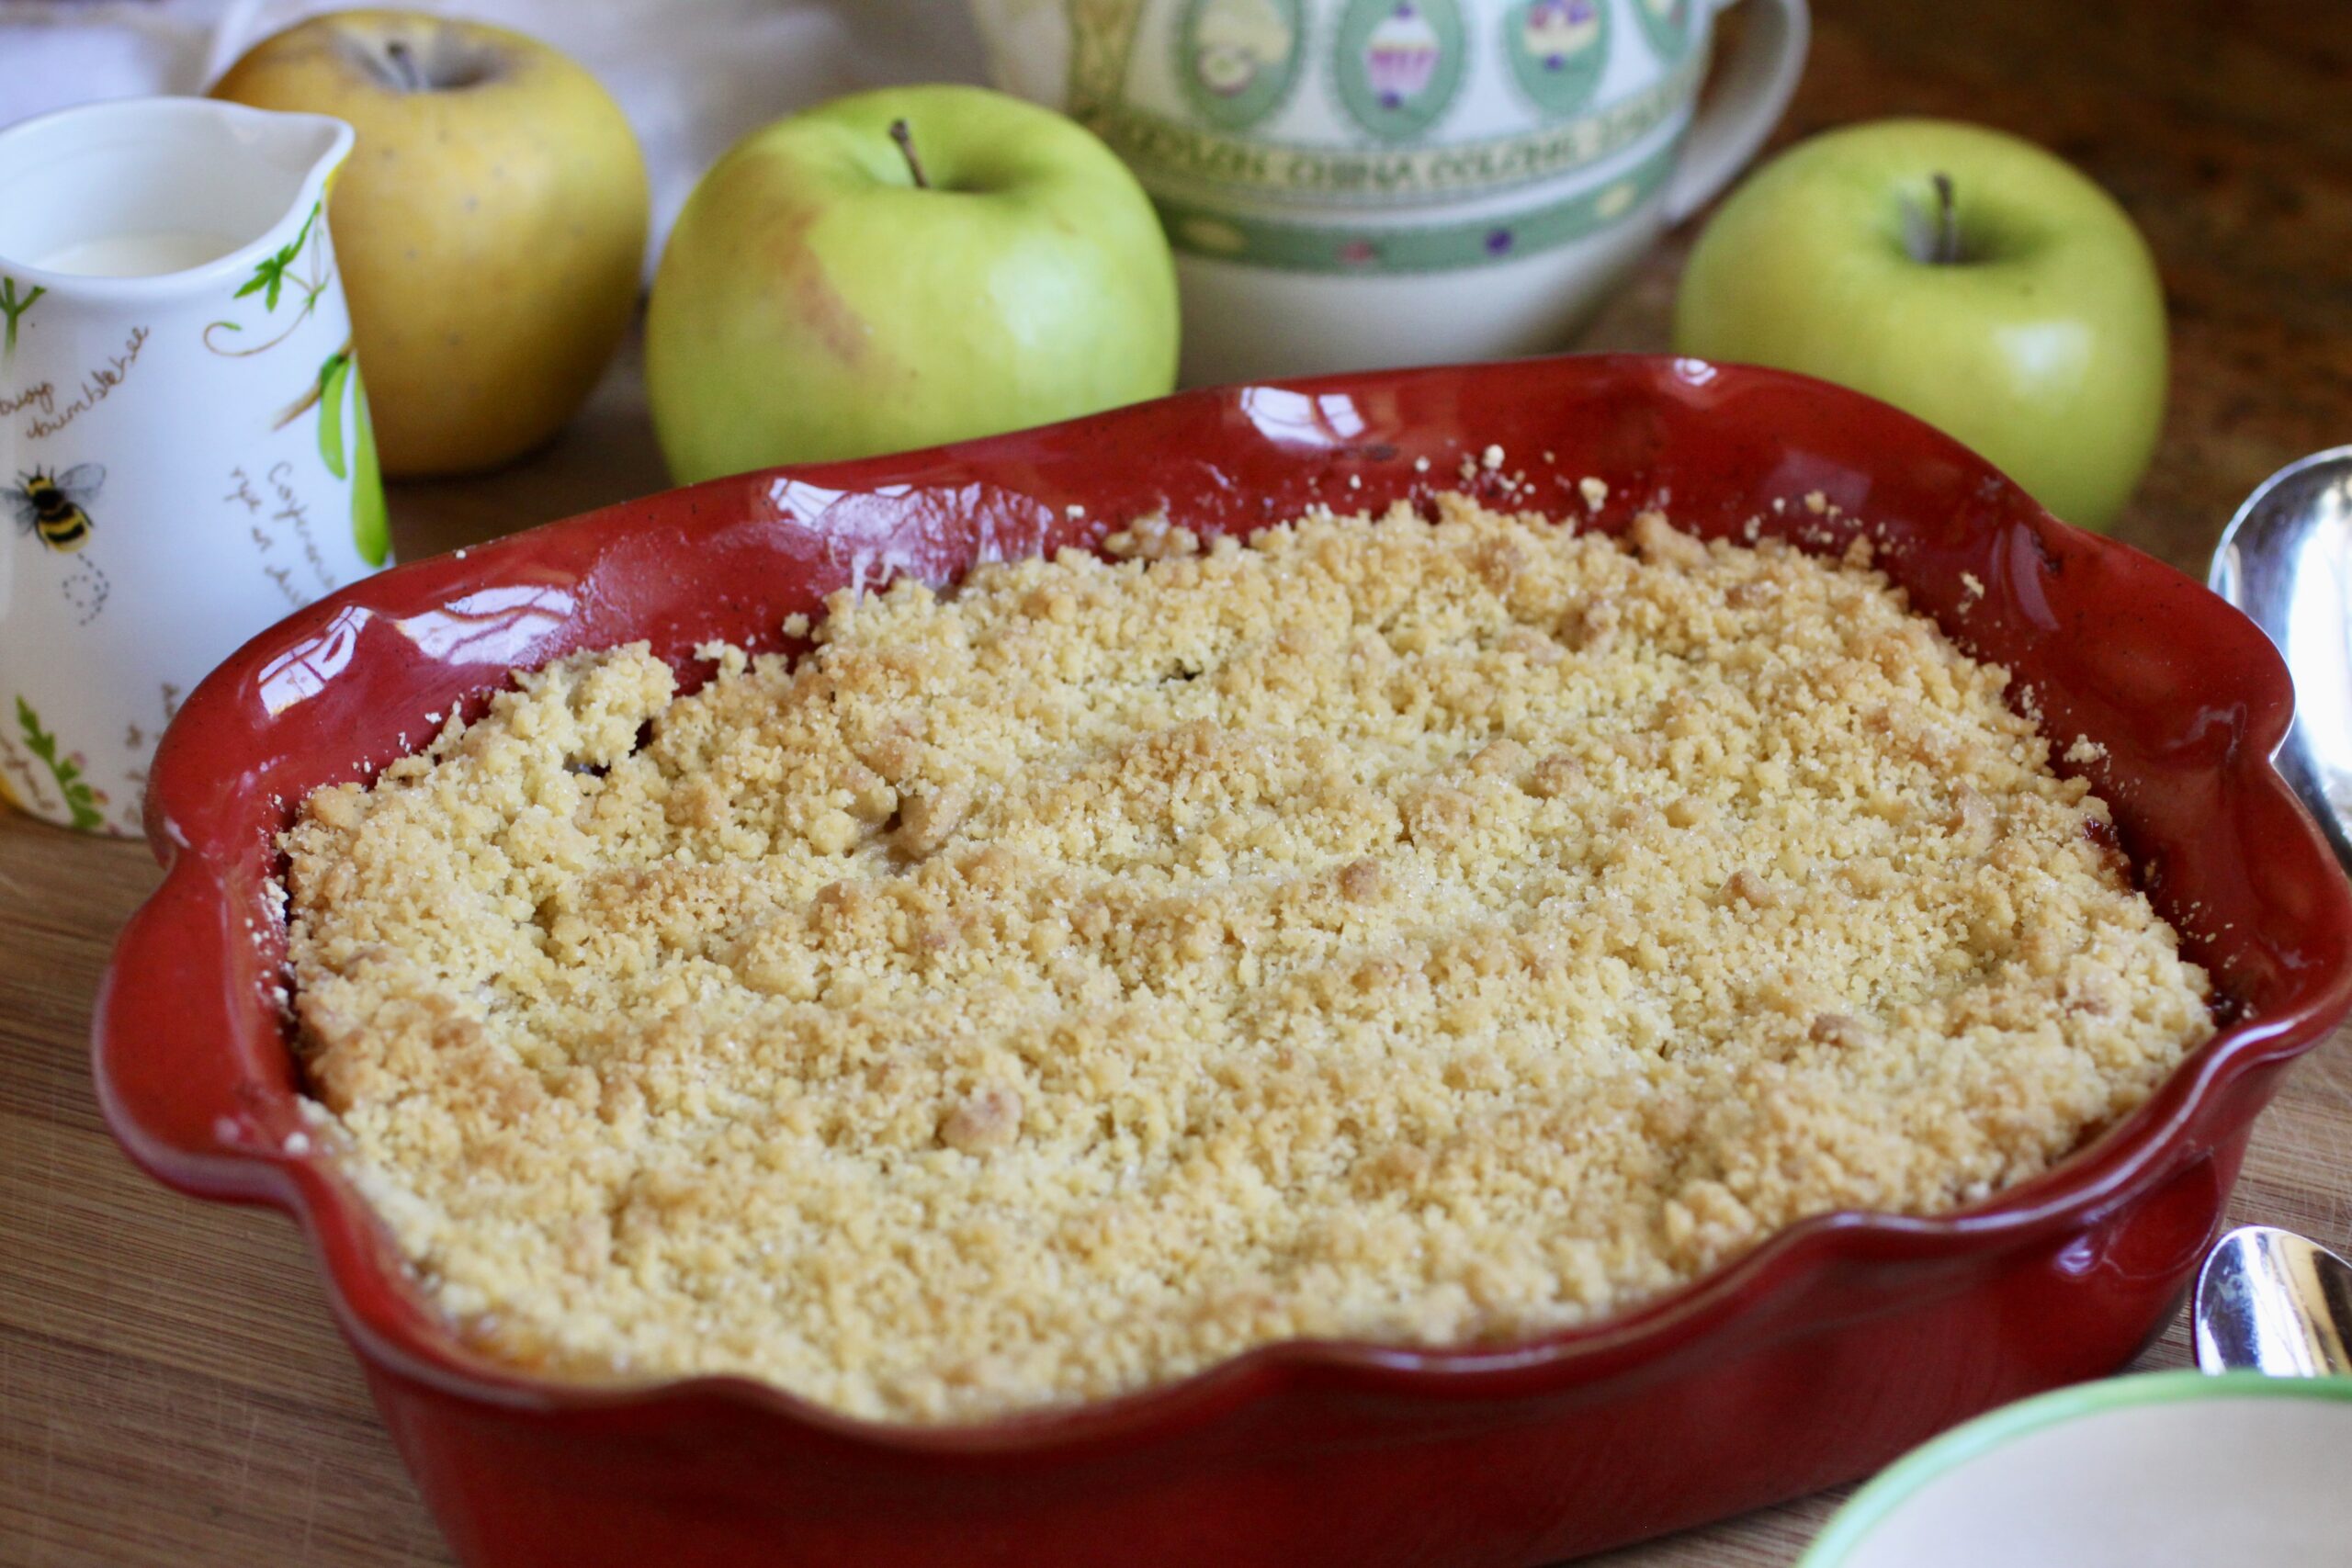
1423, 933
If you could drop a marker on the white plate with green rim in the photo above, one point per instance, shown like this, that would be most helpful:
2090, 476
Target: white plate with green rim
2164, 1470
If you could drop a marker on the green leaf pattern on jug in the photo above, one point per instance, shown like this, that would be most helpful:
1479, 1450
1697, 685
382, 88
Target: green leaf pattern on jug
270, 276
269, 272
371, 529
333, 375
82, 802
13, 305
347, 449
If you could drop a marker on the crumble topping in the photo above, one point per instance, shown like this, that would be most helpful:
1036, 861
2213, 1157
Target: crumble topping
1425, 934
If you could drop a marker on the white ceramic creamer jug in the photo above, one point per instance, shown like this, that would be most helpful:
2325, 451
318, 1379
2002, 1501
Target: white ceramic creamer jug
184, 453
1356, 183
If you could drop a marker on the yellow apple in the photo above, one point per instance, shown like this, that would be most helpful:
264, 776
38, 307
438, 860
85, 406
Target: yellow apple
489, 224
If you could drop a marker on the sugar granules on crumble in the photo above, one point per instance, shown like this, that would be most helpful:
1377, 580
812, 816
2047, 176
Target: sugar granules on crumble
1420, 933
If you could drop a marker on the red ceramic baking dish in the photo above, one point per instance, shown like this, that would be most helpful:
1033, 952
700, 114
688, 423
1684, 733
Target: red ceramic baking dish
1836, 1345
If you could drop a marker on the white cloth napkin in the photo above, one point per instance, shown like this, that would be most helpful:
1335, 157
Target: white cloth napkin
693, 75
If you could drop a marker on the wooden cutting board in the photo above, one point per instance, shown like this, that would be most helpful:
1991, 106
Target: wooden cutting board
172, 1392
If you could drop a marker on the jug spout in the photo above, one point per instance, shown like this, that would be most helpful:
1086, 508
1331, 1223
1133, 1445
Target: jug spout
147, 189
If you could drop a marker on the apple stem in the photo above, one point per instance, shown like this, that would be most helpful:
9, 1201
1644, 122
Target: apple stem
906, 141
1947, 252
404, 67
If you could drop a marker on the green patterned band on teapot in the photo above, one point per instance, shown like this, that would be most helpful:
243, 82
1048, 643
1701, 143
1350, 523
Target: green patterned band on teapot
1164, 151
1435, 248
1382, 137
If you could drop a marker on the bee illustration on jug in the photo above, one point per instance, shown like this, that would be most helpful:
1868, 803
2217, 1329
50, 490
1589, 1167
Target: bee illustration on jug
55, 509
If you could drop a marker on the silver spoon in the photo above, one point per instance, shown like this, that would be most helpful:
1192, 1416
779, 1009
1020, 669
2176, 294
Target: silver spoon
2266, 1299
2286, 561
2270, 1301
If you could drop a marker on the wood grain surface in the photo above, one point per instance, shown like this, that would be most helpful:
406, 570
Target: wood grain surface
172, 1391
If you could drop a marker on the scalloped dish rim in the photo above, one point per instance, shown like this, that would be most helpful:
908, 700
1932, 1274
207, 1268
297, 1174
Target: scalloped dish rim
194, 903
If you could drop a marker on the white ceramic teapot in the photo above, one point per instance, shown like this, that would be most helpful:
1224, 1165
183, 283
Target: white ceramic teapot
1352, 182
185, 454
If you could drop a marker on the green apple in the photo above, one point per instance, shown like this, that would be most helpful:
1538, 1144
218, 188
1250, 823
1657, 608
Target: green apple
900, 268
489, 224
1967, 276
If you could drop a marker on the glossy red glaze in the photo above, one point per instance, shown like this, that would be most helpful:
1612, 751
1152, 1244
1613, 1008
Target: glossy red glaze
1836, 1346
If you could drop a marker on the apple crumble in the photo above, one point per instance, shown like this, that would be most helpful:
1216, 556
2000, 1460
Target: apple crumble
1423, 932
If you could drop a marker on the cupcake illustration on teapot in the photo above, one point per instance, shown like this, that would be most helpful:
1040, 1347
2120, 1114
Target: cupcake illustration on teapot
1237, 40
1237, 58
1399, 63
1557, 31
1402, 53
1556, 50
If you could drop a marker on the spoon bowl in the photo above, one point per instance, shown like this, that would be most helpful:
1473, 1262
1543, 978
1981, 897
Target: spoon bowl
2270, 1301
2286, 561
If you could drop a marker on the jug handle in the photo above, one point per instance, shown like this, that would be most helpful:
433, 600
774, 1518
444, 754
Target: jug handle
1758, 82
